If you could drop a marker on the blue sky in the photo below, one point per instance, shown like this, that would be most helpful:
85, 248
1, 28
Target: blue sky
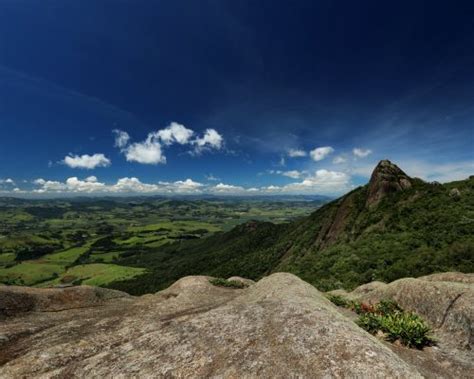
231, 97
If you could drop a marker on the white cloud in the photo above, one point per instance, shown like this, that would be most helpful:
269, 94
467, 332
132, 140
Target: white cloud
175, 133
186, 186
133, 185
322, 182
294, 174
89, 186
7, 181
320, 153
150, 151
227, 188
339, 160
48, 186
296, 153
210, 140
361, 153
86, 161
121, 138
147, 152
125, 185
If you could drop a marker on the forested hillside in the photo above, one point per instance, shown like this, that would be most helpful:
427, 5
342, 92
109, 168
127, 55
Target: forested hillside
393, 227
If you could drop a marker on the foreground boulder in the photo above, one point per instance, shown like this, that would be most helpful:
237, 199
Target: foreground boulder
280, 327
445, 300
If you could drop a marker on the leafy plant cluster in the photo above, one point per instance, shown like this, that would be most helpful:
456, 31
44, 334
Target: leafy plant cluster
221, 282
388, 318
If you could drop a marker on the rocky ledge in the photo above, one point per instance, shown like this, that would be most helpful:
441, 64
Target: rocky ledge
279, 327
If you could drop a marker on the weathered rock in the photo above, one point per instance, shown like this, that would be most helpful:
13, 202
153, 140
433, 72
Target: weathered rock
446, 301
459, 277
280, 327
455, 194
369, 287
386, 178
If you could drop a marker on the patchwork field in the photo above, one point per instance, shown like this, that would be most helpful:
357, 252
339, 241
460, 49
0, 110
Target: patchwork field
61, 242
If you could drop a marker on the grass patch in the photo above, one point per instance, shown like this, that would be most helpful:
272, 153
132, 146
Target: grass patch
108, 257
99, 274
6, 258
30, 273
67, 256
221, 282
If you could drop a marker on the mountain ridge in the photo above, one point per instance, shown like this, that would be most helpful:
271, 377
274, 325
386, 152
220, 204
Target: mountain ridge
392, 227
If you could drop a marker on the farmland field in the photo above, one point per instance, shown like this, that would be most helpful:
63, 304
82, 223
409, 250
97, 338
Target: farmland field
83, 241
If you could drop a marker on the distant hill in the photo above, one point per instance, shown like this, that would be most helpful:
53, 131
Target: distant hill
393, 227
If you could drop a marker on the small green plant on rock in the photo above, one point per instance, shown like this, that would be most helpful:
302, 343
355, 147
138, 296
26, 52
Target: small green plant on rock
388, 318
221, 282
408, 328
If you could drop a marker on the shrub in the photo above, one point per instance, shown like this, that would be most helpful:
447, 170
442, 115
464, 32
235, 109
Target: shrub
221, 282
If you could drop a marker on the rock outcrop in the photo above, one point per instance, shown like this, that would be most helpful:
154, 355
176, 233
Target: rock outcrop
386, 178
279, 327
445, 300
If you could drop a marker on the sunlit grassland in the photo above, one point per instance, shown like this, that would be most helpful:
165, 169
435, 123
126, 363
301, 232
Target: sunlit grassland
66, 257
96, 274
30, 273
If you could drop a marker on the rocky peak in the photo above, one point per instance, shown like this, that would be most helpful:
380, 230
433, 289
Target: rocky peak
386, 178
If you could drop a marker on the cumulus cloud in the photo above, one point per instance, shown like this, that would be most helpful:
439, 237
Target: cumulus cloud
320, 153
86, 161
7, 181
49, 186
319, 182
91, 185
150, 151
210, 140
175, 133
121, 138
146, 152
361, 153
296, 153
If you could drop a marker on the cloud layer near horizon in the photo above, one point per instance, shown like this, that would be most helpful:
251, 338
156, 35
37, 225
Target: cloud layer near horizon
320, 182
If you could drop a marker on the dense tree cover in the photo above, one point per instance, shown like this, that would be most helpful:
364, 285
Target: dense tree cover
427, 228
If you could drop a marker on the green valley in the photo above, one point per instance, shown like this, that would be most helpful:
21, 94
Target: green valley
85, 240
